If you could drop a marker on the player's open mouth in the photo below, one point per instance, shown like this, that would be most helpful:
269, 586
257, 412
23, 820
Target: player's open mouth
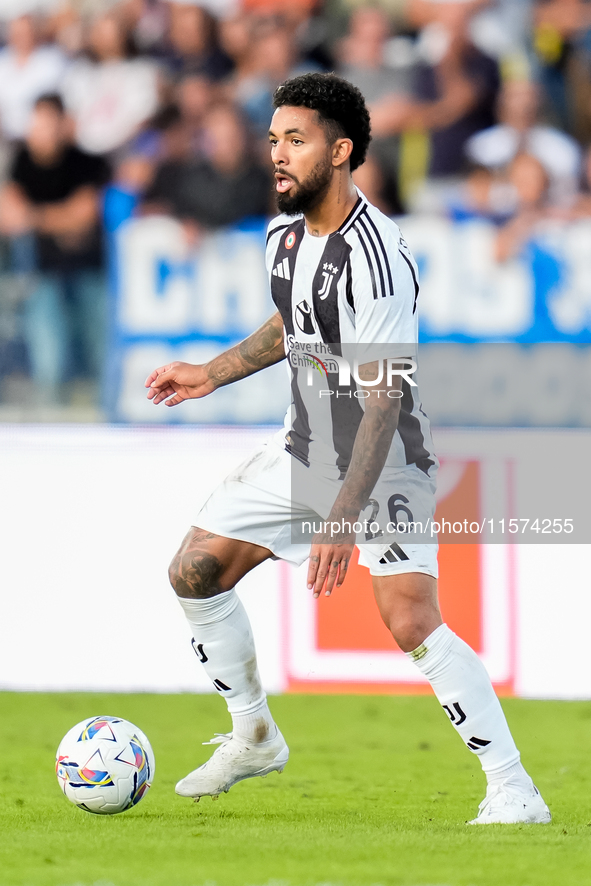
283, 183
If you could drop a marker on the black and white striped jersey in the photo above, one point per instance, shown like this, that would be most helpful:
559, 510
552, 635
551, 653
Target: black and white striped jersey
356, 286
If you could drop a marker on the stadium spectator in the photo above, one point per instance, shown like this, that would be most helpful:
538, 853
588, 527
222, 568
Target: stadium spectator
192, 46
424, 12
146, 21
265, 53
362, 56
248, 84
225, 187
371, 181
562, 41
27, 70
110, 94
518, 131
235, 34
50, 209
530, 184
502, 29
310, 26
65, 28
176, 132
454, 92
195, 95
482, 195
173, 135
362, 61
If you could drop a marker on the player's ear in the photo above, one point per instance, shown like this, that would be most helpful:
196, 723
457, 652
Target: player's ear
341, 151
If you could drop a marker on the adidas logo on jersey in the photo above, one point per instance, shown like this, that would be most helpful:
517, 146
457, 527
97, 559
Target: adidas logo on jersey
282, 270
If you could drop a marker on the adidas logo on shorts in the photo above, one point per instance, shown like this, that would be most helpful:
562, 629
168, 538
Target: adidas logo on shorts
394, 554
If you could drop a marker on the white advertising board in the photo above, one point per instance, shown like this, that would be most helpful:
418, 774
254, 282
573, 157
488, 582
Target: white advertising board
91, 515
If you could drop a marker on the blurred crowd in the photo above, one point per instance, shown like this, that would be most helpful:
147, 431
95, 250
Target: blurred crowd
480, 109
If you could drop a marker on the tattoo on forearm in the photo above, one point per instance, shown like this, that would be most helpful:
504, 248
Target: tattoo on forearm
370, 451
265, 346
261, 349
224, 369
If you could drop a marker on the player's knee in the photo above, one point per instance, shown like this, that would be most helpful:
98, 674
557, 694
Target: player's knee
195, 574
409, 632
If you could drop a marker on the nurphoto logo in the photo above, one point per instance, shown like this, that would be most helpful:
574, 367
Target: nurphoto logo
316, 357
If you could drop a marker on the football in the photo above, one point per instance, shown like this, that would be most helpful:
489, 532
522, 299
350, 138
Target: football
105, 765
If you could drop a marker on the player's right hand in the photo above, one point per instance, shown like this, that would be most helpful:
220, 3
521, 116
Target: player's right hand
177, 382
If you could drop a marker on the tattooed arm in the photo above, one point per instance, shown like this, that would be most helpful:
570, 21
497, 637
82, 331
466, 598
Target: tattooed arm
331, 552
184, 381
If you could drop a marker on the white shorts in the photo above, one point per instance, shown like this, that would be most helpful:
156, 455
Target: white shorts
258, 503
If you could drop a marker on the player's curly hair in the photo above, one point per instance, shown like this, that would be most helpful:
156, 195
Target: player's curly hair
339, 105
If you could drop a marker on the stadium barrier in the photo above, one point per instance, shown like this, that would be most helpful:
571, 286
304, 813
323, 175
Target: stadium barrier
110, 504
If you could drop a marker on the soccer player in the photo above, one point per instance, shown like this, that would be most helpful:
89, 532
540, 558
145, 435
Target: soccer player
340, 275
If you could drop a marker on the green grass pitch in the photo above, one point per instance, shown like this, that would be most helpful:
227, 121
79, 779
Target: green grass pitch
377, 791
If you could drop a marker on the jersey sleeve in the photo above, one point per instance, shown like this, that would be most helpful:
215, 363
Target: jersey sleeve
385, 289
276, 227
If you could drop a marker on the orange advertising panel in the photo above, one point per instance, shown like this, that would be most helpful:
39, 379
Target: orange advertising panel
340, 643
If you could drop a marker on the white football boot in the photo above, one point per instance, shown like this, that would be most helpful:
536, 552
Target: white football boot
234, 760
512, 802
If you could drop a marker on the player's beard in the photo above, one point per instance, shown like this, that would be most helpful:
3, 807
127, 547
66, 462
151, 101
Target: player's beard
305, 196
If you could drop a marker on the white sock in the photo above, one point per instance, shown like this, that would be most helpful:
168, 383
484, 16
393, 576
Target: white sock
463, 687
224, 644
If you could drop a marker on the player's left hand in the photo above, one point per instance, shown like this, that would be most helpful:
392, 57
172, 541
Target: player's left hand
329, 559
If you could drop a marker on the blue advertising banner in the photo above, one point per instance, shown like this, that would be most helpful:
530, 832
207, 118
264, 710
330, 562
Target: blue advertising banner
543, 294
175, 301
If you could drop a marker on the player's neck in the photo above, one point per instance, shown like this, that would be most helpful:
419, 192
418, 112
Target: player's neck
334, 209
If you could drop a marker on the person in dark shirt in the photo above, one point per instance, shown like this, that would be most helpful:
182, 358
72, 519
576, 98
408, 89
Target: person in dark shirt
459, 96
221, 189
454, 93
50, 209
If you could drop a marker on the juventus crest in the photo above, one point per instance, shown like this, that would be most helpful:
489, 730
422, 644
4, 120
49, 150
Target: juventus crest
329, 272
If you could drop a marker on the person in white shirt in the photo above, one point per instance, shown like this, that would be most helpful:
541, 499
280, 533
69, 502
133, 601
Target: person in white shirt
519, 133
111, 97
27, 71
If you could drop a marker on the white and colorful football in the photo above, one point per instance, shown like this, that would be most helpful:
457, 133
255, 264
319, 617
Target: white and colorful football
105, 765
